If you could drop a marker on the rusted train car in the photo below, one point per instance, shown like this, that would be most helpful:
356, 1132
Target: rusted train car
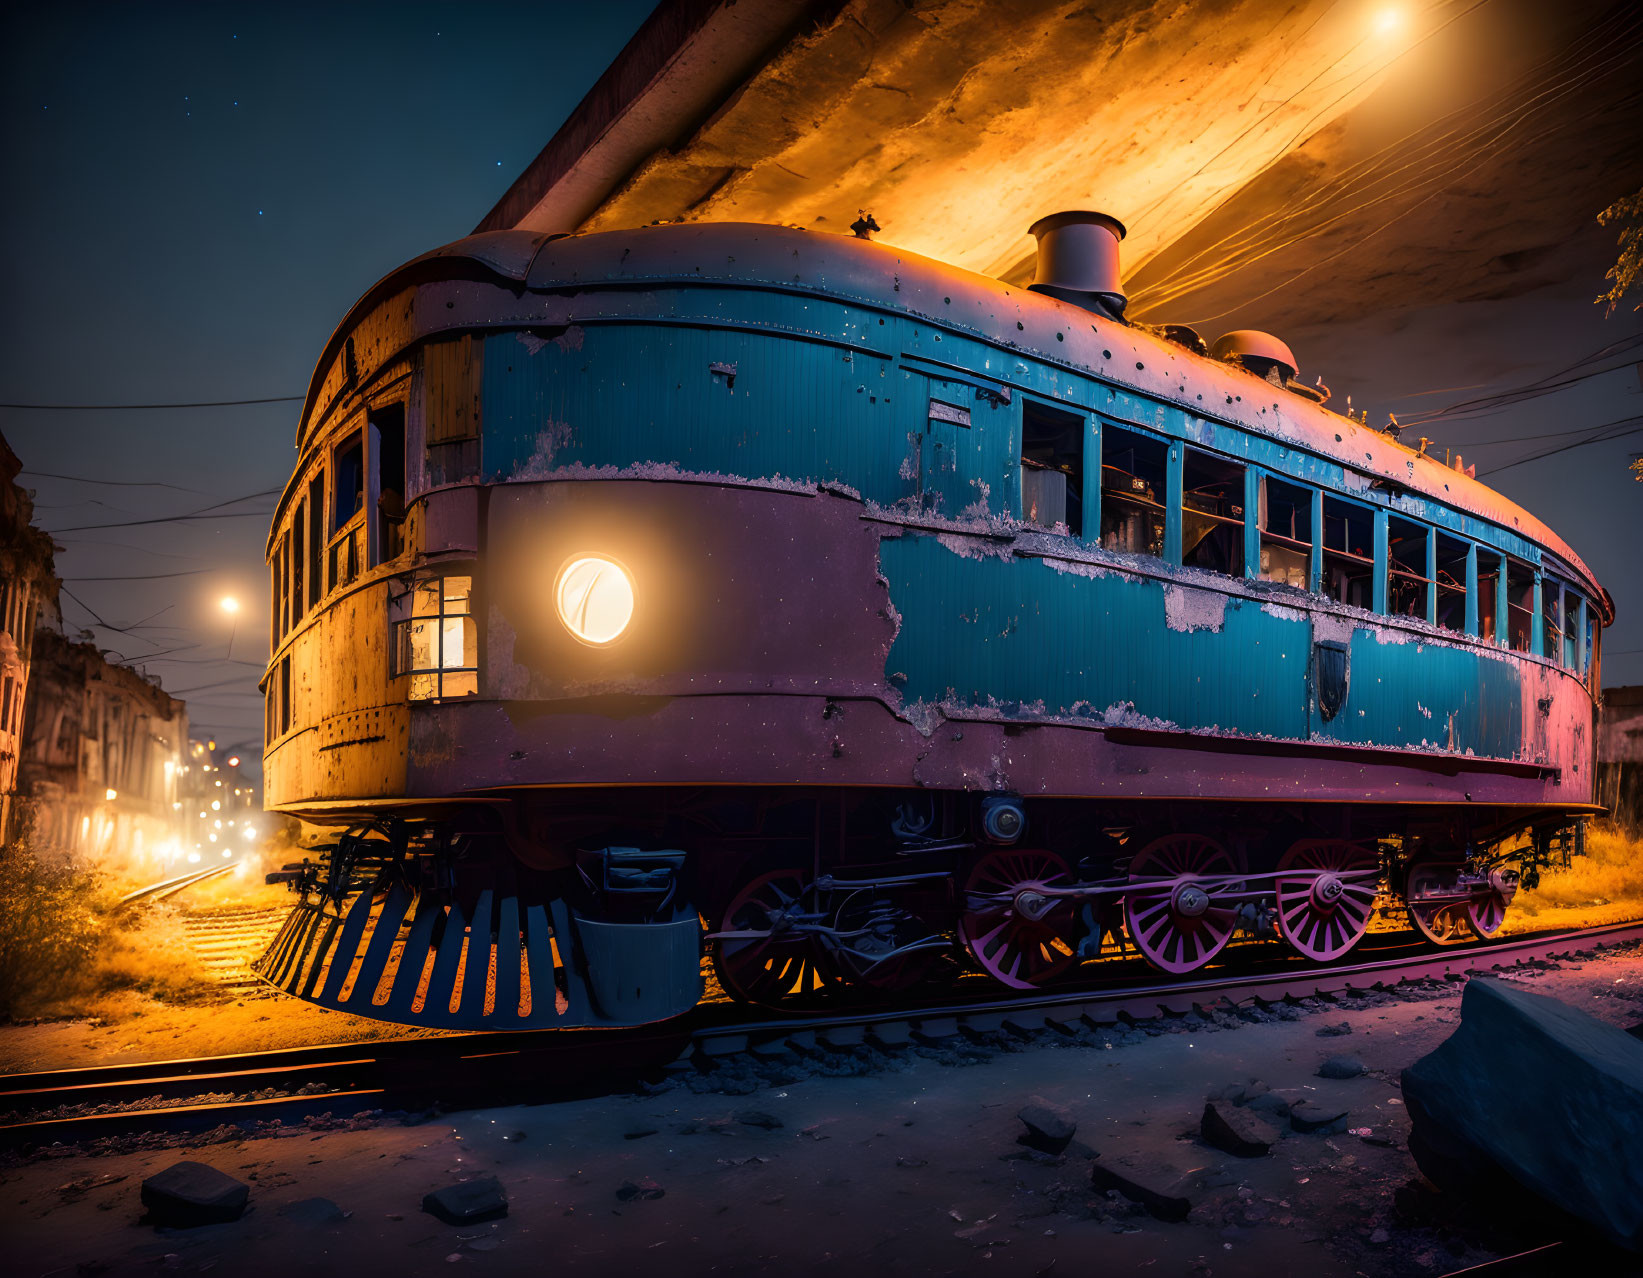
861, 619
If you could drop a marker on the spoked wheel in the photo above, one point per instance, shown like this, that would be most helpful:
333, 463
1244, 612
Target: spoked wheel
1170, 908
876, 936
1027, 938
1325, 893
782, 967
1443, 922
1485, 914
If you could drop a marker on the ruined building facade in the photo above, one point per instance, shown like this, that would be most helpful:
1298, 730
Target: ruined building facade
26, 581
102, 750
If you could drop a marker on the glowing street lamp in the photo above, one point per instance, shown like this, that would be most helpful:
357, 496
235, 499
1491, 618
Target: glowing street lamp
231, 606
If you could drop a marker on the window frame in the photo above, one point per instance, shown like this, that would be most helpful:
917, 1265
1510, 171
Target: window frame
403, 614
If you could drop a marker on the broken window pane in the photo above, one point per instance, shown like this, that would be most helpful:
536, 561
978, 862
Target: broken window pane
1286, 532
1349, 553
1407, 585
1489, 569
1134, 478
1452, 555
1052, 468
1520, 605
1212, 513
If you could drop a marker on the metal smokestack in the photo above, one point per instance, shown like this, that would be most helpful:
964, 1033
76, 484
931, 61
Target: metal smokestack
1078, 260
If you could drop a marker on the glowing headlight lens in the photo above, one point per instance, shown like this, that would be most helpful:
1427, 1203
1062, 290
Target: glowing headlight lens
595, 599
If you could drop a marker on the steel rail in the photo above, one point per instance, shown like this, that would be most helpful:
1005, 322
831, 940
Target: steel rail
159, 891
452, 1071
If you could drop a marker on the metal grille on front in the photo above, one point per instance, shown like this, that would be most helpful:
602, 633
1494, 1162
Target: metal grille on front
497, 964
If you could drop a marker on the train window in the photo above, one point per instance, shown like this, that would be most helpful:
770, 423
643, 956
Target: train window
388, 445
1134, 482
1594, 649
1573, 604
1452, 556
1052, 468
1349, 553
435, 639
1286, 532
299, 559
316, 539
285, 695
1520, 605
1212, 514
348, 472
1551, 594
1407, 585
1489, 568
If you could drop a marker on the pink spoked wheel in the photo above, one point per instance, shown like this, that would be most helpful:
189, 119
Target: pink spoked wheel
1171, 910
1486, 911
1019, 936
1326, 893
1432, 897
783, 966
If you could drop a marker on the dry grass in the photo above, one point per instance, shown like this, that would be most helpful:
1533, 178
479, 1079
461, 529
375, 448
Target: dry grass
68, 949
1604, 886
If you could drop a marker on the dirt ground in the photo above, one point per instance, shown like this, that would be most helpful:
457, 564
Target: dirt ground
908, 1168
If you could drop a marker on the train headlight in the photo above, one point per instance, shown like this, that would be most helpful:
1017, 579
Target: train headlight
595, 599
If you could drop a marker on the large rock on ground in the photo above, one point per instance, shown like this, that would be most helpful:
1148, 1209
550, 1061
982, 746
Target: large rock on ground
470, 1202
1545, 1093
1050, 1128
1161, 1190
1238, 1131
188, 1194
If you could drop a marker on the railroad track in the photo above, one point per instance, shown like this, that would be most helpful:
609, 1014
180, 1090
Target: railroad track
466, 1070
226, 940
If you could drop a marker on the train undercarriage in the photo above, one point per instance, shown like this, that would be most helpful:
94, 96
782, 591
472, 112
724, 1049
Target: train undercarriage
812, 897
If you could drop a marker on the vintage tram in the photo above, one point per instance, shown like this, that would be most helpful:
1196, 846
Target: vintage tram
868, 622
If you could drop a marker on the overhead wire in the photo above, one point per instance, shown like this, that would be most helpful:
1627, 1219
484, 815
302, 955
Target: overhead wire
120, 408
1433, 150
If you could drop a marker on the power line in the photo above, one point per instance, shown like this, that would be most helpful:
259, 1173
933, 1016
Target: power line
153, 576
1563, 448
205, 512
119, 408
112, 483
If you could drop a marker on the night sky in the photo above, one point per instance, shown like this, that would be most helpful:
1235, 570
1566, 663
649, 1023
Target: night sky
195, 196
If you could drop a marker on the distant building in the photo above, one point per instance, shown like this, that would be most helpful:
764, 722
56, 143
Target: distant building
27, 580
1620, 756
221, 813
103, 749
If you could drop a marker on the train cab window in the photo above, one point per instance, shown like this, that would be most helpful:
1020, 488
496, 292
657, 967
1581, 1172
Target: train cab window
1552, 618
1134, 482
1452, 554
285, 695
299, 560
1212, 514
435, 639
1407, 584
1489, 569
1349, 553
1572, 602
388, 447
1286, 532
1052, 468
1594, 650
316, 539
347, 500
348, 489
1520, 606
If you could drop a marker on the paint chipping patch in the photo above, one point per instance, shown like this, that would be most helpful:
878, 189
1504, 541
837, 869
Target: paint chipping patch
978, 508
974, 548
1283, 613
549, 440
1186, 610
1123, 714
1076, 567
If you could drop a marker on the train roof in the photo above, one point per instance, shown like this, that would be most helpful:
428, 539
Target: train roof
867, 273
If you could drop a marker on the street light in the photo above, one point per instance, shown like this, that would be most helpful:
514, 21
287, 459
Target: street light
231, 606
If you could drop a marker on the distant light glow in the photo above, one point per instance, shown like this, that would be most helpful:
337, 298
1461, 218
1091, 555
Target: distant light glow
249, 832
194, 858
595, 599
234, 762
229, 605
228, 851
111, 795
1388, 20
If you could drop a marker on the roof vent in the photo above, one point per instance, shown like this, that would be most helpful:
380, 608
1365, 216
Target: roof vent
1078, 260
1261, 353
